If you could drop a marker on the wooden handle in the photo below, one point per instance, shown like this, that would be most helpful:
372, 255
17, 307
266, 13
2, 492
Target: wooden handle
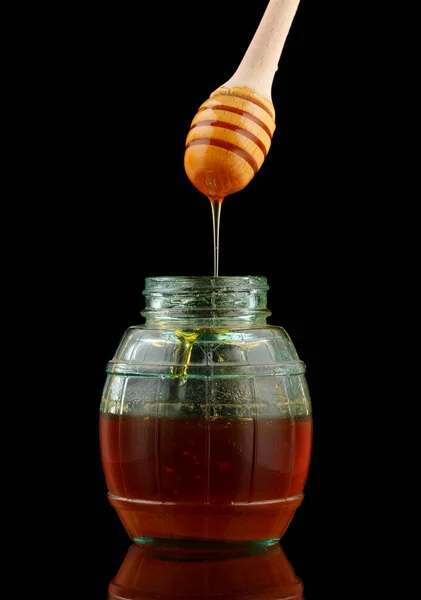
232, 131
260, 62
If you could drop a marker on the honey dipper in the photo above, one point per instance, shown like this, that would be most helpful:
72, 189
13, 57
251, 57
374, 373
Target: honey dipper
232, 131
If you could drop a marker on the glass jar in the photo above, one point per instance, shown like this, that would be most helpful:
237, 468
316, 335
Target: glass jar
205, 419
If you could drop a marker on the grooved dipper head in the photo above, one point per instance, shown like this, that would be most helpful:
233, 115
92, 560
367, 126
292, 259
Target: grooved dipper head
228, 141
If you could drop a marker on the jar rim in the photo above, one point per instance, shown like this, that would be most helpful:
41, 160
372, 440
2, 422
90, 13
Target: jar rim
213, 277
206, 300
204, 281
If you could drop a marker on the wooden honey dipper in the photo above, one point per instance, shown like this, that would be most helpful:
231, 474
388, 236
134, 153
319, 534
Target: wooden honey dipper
231, 134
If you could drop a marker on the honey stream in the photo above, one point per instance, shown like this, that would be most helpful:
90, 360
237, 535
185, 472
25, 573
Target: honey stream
216, 204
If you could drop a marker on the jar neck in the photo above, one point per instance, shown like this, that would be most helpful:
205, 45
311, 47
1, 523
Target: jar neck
205, 302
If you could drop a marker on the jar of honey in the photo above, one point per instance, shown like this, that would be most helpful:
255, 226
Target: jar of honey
205, 418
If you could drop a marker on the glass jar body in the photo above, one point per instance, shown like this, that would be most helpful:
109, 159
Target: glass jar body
205, 429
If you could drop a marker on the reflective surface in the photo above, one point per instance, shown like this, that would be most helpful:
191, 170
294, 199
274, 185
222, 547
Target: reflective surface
167, 574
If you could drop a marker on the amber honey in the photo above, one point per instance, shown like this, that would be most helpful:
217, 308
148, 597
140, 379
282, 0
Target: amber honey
199, 479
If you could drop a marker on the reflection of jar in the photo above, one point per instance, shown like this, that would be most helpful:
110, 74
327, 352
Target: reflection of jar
263, 575
205, 420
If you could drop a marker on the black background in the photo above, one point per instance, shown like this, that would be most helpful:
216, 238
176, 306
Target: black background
100, 100
124, 91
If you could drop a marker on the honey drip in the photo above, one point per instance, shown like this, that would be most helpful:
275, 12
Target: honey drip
216, 205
